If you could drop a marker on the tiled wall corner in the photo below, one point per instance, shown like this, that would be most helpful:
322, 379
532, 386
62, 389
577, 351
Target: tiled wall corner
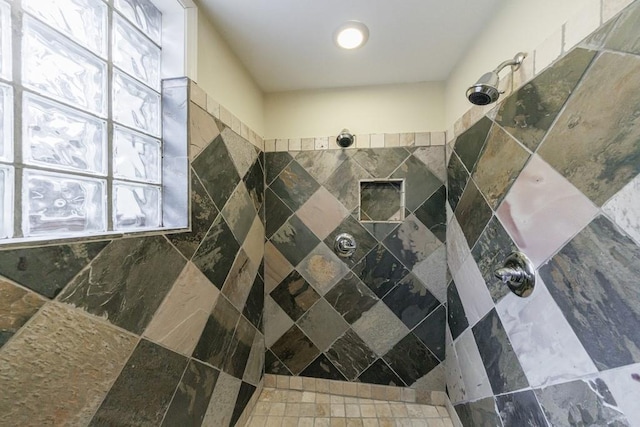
490, 351
172, 323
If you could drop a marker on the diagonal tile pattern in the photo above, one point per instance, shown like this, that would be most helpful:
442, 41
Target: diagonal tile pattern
573, 211
198, 359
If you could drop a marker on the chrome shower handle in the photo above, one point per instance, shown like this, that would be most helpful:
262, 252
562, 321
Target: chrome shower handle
345, 245
518, 274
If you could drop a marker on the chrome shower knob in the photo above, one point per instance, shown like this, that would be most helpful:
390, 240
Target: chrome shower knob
345, 245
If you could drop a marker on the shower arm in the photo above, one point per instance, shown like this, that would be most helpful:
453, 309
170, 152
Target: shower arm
514, 63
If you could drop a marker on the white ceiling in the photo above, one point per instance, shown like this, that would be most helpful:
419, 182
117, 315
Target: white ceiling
288, 44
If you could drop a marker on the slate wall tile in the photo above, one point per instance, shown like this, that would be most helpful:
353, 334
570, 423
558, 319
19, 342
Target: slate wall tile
129, 402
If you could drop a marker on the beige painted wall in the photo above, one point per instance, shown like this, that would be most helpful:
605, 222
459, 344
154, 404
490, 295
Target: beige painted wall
224, 77
375, 109
520, 25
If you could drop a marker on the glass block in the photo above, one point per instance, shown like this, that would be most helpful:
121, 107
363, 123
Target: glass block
6, 123
135, 105
56, 204
135, 54
85, 21
6, 198
62, 138
144, 15
135, 206
54, 66
5, 40
135, 156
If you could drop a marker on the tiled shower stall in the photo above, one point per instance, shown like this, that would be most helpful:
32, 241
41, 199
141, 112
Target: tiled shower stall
179, 329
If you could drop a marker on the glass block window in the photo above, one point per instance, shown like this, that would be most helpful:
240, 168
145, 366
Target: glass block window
80, 119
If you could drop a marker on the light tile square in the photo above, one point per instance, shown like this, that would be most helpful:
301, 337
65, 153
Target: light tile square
322, 213
363, 140
282, 145
472, 290
307, 144
543, 210
391, 139
623, 209
377, 140
380, 329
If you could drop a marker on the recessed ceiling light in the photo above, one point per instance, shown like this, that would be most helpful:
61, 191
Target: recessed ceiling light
351, 34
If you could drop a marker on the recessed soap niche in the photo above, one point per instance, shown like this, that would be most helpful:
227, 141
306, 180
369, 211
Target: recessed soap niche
382, 200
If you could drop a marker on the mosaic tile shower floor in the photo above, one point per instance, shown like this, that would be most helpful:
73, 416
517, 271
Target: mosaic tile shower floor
292, 408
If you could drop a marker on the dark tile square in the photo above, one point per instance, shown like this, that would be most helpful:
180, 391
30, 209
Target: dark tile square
433, 214
520, 409
457, 178
295, 295
380, 163
380, 373
294, 186
276, 212
593, 279
412, 242
530, 111
255, 303
350, 297
501, 161
606, 101
244, 396
217, 172
350, 355
469, 144
240, 348
380, 270
217, 336
344, 183
419, 184
130, 402
239, 212
321, 163
411, 301
274, 164
597, 405
482, 412
294, 240
410, 359
364, 240
381, 201
254, 181
47, 270
490, 251
127, 281
190, 402
457, 319
295, 350
216, 253
431, 332
472, 213
380, 230
503, 368
203, 213
273, 365
323, 368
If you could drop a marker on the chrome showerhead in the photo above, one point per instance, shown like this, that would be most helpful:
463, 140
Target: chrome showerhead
485, 91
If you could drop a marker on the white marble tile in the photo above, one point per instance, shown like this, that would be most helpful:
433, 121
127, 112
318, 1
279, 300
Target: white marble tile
457, 247
624, 209
363, 140
270, 145
391, 139
474, 375
543, 210
625, 387
433, 273
453, 374
295, 144
438, 138
321, 143
282, 144
543, 340
473, 291
308, 144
